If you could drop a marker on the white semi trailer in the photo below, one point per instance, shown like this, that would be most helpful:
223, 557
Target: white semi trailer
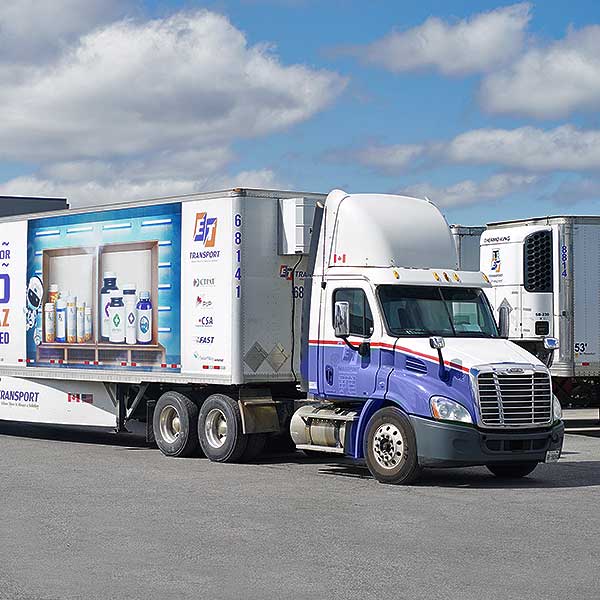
218, 319
546, 274
466, 240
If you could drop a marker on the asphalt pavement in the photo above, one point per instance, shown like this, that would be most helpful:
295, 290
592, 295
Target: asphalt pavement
94, 515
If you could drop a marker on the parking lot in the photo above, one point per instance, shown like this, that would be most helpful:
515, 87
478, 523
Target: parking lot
93, 515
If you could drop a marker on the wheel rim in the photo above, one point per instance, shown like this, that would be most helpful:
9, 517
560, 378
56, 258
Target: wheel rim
215, 428
388, 446
170, 424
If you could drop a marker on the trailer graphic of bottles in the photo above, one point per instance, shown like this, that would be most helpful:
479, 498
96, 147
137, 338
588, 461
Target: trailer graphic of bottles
342, 320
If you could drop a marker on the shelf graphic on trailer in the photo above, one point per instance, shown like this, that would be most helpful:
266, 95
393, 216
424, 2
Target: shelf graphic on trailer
116, 272
206, 250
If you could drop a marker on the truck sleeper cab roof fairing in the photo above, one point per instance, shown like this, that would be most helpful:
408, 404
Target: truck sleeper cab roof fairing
381, 230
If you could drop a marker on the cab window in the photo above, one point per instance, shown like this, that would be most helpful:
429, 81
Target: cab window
361, 317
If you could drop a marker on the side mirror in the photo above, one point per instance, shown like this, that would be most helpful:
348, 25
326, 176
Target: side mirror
341, 320
504, 321
437, 342
550, 344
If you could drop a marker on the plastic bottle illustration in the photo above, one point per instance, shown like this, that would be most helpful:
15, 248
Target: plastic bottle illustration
71, 320
53, 293
88, 324
144, 319
80, 323
116, 312
109, 287
49, 322
130, 301
61, 321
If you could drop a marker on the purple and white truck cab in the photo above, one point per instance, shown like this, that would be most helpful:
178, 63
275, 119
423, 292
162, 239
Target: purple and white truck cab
403, 359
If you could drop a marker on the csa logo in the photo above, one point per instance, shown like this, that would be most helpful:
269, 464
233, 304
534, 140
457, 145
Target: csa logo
205, 229
495, 266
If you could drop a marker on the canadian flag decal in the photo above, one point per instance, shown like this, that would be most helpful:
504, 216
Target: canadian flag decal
339, 258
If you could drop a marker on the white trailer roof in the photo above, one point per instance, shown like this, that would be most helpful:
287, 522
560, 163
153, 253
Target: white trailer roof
548, 220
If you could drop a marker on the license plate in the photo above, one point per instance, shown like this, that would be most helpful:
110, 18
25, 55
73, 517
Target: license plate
552, 456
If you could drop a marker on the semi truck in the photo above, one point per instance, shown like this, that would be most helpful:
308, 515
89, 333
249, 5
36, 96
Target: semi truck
219, 319
544, 273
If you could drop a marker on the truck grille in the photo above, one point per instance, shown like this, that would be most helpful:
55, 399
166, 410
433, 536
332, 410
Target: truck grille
514, 399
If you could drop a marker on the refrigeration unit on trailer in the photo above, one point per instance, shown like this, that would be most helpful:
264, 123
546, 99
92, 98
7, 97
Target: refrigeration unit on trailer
219, 319
546, 274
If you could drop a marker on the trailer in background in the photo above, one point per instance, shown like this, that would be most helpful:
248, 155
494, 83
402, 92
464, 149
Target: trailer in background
546, 273
466, 240
22, 205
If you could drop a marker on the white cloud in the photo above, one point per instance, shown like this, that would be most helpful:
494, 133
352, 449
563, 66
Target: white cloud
470, 191
131, 109
571, 192
390, 159
188, 164
35, 30
184, 82
549, 82
563, 148
472, 45
92, 192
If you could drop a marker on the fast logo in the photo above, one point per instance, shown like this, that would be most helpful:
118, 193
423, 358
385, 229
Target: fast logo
205, 229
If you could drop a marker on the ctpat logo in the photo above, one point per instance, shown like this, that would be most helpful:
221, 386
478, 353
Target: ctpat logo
205, 230
495, 266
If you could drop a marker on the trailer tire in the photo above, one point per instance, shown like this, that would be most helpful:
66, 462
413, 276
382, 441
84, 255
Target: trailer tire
175, 425
220, 429
390, 447
512, 470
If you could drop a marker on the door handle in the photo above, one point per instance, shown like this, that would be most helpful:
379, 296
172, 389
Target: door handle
329, 375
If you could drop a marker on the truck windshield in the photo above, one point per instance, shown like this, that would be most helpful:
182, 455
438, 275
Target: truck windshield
431, 310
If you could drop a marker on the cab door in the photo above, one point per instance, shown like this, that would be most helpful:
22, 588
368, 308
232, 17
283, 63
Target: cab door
344, 373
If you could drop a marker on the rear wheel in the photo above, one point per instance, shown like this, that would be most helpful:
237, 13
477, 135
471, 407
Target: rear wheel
220, 429
175, 425
390, 447
512, 470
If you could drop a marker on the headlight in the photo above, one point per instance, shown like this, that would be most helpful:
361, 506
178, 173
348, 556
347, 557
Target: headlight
444, 409
557, 409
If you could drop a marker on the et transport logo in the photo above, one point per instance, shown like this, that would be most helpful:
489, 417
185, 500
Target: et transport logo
205, 230
287, 272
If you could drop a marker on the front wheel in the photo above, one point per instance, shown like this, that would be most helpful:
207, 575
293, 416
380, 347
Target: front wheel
390, 447
512, 470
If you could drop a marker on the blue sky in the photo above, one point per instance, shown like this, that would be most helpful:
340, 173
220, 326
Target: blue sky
490, 109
